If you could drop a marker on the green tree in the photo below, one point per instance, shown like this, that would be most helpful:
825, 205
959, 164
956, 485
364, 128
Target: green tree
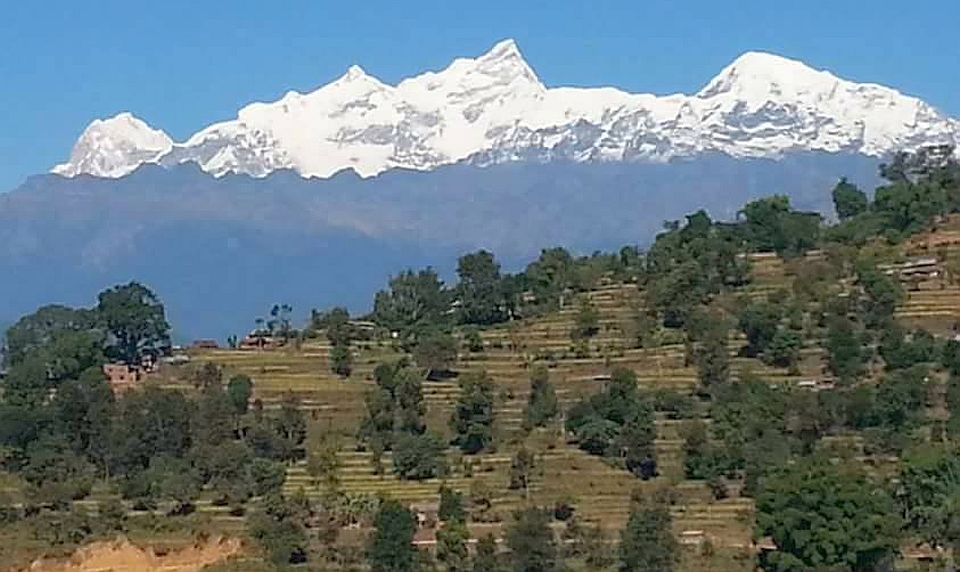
85, 410
56, 474
542, 405
239, 391
759, 323
451, 505
712, 357
586, 324
930, 497
436, 352
848, 200
452, 545
341, 360
278, 526
279, 324
152, 423
549, 276
522, 467
531, 542
824, 516
135, 320
784, 349
336, 324
647, 543
267, 476
845, 348
37, 330
418, 457
486, 558
479, 291
882, 294
771, 225
472, 418
415, 302
391, 545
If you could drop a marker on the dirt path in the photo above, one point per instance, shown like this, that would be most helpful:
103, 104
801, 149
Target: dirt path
123, 556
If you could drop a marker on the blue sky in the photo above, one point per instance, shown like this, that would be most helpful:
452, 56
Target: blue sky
183, 64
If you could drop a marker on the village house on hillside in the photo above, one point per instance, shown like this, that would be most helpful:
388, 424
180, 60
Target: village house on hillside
122, 377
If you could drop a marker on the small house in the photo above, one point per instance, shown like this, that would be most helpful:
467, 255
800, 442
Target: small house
122, 376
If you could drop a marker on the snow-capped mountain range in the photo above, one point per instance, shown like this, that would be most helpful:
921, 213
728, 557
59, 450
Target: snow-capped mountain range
494, 109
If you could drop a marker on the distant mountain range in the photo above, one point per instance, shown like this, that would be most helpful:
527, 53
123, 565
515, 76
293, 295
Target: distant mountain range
494, 109
317, 198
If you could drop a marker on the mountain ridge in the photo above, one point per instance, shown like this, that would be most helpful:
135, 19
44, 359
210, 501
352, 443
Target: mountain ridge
494, 109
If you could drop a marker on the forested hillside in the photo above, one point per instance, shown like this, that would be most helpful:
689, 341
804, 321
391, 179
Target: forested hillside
776, 392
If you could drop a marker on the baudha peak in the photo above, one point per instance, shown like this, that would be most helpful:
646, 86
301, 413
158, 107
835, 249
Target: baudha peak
493, 108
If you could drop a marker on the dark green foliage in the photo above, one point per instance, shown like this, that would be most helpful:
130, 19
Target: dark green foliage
901, 350
882, 294
37, 331
587, 323
900, 399
676, 404
618, 422
56, 474
825, 517
929, 496
267, 476
749, 419
845, 347
480, 289
848, 200
135, 320
278, 526
647, 543
336, 324
472, 418
341, 360
452, 545
414, 303
760, 323
531, 542
451, 505
784, 349
239, 391
550, 276
84, 411
771, 225
711, 355
418, 457
473, 340
395, 406
950, 356
390, 548
486, 558
154, 422
542, 404
687, 266
436, 352
703, 459
522, 467
279, 324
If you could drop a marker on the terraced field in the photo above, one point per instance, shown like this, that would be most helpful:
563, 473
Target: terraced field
600, 492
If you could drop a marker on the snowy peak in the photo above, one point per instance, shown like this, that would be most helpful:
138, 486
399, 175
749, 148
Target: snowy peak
760, 74
493, 108
114, 147
506, 62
